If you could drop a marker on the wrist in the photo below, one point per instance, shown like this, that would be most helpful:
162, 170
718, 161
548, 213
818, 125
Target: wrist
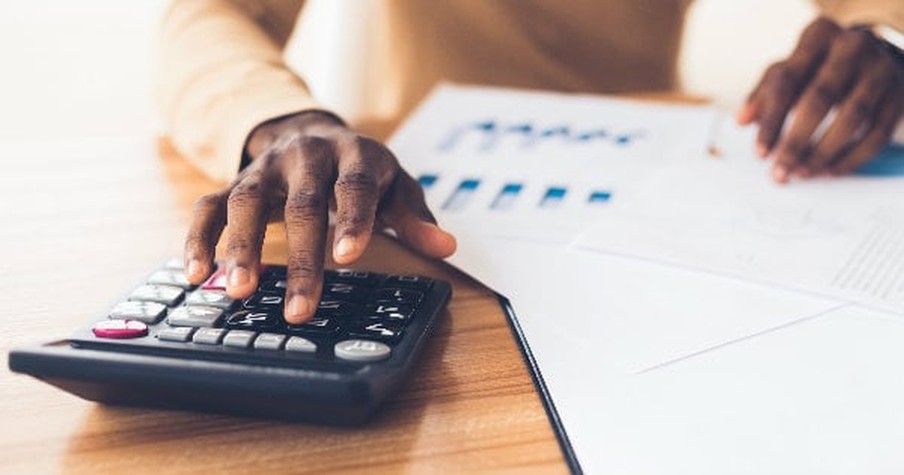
316, 122
890, 38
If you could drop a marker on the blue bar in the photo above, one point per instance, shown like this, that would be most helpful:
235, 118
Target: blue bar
462, 195
426, 181
599, 197
507, 196
553, 197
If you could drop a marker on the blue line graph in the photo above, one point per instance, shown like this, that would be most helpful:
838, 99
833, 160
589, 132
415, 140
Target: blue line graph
490, 134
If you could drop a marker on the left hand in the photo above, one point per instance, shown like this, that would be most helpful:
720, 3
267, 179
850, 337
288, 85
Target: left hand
845, 69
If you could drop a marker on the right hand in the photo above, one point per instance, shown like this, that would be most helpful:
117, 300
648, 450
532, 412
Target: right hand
300, 165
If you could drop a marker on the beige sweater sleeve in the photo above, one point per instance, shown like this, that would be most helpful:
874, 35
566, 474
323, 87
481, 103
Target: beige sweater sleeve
222, 74
854, 12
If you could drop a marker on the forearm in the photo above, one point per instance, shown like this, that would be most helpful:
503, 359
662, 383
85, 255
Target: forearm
221, 74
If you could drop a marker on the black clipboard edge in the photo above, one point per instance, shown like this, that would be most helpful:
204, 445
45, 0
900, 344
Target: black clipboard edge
537, 377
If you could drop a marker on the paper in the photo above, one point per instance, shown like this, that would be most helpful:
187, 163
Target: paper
534, 165
819, 397
842, 238
657, 368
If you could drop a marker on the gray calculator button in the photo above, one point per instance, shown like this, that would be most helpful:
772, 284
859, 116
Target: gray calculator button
194, 316
175, 278
209, 336
209, 298
300, 345
238, 338
269, 341
147, 312
165, 294
362, 350
180, 334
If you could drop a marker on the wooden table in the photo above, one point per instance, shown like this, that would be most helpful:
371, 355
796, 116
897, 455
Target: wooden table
82, 224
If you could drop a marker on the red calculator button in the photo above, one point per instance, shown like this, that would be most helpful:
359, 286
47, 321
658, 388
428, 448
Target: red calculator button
120, 329
217, 281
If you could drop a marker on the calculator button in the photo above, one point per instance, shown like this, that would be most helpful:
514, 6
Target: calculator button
335, 308
253, 320
344, 291
352, 277
375, 330
238, 338
300, 345
362, 350
217, 281
265, 301
389, 311
195, 317
147, 312
317, 326
120, 329
269, 341
402, 296
409, 282
209, 298
165, 294
181, 334
209, 336
175, 278
274, 285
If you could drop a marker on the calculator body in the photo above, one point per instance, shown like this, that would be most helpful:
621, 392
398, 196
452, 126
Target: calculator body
246, 360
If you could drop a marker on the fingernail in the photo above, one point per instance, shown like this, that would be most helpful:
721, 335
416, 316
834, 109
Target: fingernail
780, 173
299, 308
761, 150
345, 247
239, 276
194, 269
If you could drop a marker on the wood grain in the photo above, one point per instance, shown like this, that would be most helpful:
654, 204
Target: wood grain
82, 225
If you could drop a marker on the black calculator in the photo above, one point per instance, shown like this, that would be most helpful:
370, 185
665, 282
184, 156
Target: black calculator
175, 345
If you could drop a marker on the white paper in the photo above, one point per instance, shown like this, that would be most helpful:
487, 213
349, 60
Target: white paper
841, 237
656, 368
819, 397
539, 143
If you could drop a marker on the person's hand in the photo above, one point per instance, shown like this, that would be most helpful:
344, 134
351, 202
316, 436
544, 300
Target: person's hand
300, 166
844, 77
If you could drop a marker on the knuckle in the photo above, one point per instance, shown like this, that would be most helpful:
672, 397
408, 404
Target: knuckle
207, 203
314, 146
301, 266
244, 193
354, 220
859, 111
306, 203
357, 181
238, 246
823, 95
852, 41
196, 241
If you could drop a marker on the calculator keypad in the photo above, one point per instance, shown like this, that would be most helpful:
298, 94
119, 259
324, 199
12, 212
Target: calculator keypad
360, 318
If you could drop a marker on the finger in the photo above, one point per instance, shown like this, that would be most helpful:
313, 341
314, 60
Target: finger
365, 173
407, 214
878, 135
209, 219
310, 179
855, 116
247, 217
831, 84
783, 82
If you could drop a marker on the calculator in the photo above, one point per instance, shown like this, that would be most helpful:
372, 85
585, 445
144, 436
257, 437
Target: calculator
171, 344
